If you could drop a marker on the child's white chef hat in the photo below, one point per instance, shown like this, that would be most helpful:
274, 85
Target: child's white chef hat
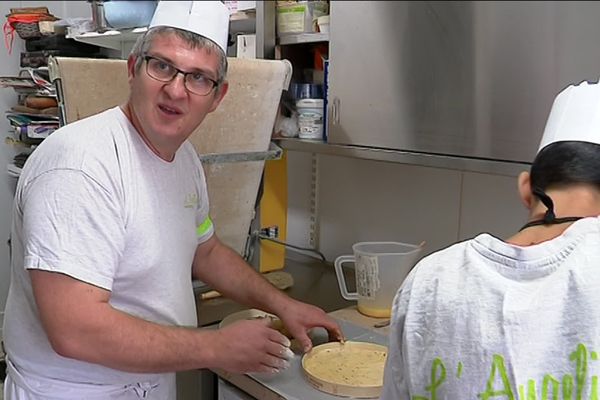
575, 115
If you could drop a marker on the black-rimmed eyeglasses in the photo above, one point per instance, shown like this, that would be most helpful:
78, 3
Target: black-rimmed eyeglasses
194, 82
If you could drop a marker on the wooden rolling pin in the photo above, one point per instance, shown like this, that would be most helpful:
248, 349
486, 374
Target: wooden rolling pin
280, 279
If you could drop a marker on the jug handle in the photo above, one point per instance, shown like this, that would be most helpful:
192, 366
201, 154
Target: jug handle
341, 278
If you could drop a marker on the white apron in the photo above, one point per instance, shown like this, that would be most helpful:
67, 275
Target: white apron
22, 386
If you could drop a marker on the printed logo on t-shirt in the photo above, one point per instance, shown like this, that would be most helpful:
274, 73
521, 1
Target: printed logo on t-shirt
191, 200
499, 385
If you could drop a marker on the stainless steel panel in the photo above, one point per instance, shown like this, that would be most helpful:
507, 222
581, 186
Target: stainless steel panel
469, 79
265, 29
507, 168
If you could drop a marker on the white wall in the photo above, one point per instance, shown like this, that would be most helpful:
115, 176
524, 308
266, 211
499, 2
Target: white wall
363, 200
10, 66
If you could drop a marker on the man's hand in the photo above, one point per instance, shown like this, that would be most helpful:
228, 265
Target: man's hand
299, 318
251, 346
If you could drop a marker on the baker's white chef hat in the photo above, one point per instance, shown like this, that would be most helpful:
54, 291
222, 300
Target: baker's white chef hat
206, 18
575, 115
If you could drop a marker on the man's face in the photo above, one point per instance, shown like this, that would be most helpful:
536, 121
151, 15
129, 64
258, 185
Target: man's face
166, 113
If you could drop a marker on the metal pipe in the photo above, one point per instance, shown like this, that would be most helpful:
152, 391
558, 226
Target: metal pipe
98, 18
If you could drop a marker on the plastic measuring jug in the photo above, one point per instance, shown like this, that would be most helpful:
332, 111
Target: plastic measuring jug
380, 268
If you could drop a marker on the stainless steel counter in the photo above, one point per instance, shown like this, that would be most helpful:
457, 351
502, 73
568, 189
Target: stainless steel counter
315, 283
291, 384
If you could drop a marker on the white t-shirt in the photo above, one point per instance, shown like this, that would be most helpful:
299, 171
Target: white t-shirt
95, 203
484, 319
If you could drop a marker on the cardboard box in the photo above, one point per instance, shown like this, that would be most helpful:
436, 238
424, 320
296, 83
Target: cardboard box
237, 6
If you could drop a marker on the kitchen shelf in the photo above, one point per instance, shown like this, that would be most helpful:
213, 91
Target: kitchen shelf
112, 39
304, 38
488, 166
123, 40
242, 15
242, 22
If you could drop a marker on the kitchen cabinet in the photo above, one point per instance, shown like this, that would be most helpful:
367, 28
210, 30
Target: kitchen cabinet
227, 391
260, 22
301, 42
454, 81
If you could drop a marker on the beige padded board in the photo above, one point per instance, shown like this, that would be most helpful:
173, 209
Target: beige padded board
88, 86
242, 123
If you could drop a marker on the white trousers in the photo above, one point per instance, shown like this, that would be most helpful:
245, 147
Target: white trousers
20, 386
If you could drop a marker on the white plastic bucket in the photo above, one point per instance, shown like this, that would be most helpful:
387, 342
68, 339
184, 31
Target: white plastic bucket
310, 118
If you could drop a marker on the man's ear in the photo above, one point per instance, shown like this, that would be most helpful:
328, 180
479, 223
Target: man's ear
131, 67
524, 187
221, 92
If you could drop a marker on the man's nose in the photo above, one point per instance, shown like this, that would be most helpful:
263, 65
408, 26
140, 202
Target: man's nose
176, 87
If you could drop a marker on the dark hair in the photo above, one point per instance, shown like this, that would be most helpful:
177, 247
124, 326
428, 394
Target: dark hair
563, 163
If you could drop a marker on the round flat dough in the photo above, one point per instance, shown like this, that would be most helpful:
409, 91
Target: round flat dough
252, 313
338, 368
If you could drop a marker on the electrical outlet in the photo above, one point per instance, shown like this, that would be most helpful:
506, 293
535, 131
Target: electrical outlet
270, 232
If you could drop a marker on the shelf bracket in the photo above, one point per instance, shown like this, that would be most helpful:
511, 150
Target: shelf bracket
274, 153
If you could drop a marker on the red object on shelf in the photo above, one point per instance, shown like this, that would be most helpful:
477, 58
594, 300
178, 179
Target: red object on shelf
25, 22
320, 53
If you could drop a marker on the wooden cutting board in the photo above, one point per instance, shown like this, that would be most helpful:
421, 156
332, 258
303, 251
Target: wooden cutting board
353, 369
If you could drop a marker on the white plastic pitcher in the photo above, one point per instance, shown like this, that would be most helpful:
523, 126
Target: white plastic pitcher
380, 268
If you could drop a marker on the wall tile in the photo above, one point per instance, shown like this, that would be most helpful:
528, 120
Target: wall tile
490, 203
363, 200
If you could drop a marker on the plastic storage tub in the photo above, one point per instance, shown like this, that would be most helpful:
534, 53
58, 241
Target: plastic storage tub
297, 17
310, 118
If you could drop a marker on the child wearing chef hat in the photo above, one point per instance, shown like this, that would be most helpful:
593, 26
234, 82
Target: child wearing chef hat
517, 318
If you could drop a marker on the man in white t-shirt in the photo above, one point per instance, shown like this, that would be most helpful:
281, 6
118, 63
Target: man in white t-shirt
518, 318
110, 225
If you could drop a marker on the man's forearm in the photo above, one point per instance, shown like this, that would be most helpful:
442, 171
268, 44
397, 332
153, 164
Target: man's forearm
120, 341
227, 272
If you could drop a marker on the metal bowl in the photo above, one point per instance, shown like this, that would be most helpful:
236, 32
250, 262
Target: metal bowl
122, 14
